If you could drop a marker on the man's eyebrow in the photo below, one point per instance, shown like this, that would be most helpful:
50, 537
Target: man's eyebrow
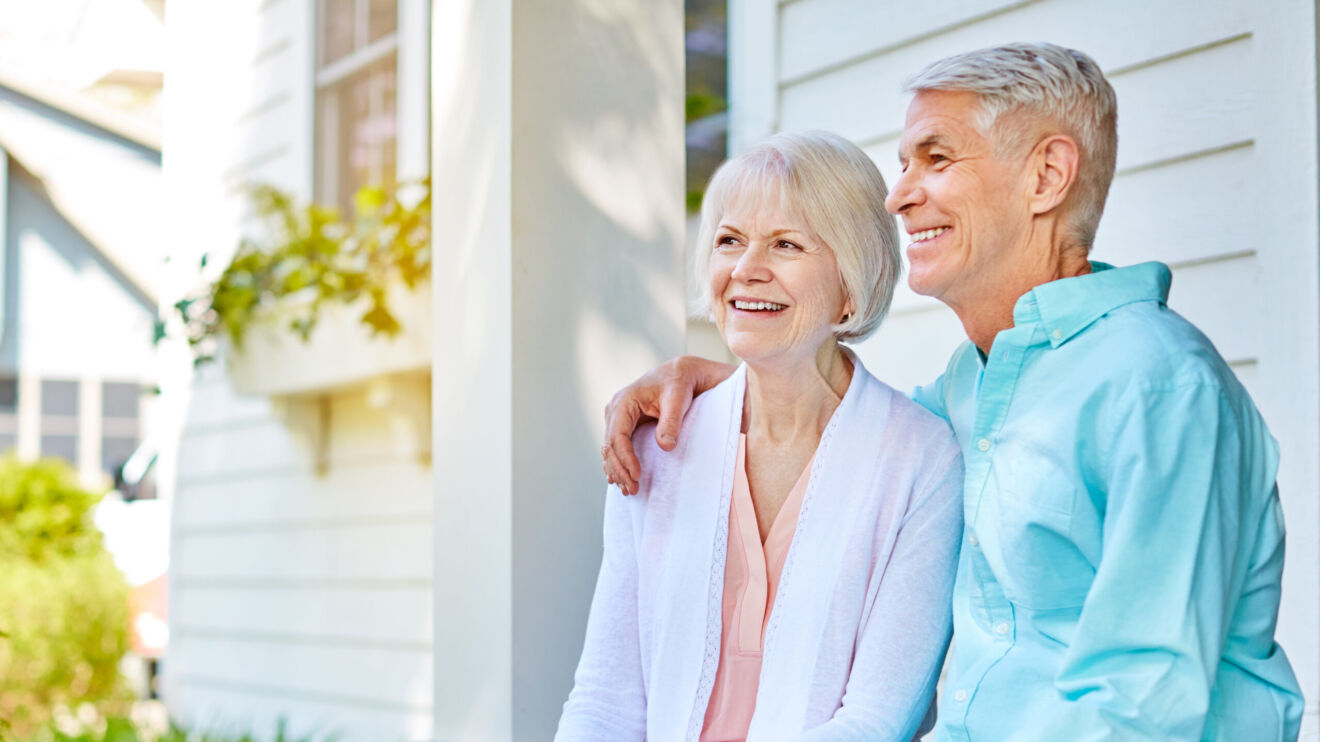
934, 139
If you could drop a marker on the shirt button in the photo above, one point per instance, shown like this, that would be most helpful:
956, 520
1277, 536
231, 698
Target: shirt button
960, 696
972, 539
1001, 629
983, 444
1057, 334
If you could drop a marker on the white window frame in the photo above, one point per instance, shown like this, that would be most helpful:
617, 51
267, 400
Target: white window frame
410, 43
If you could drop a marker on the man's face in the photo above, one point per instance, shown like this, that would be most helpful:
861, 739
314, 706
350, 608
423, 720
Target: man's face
965, 209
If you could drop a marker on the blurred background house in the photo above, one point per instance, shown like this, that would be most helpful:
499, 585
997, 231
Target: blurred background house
396, 539
80, 204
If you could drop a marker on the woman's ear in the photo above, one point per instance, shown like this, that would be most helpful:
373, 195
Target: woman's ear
847, 311
1054, 164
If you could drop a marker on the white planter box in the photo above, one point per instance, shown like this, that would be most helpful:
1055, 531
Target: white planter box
275, 361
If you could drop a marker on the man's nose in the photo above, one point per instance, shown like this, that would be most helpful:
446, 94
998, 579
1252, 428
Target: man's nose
905, 193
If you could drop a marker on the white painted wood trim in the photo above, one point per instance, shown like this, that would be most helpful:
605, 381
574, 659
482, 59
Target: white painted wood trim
413, 153
471, 144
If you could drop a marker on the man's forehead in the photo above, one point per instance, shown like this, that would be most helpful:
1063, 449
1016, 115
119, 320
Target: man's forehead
939, 117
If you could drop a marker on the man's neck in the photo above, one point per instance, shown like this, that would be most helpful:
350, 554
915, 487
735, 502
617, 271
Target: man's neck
983, 317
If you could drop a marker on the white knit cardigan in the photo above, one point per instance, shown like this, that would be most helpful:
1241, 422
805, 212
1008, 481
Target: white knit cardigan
862, 617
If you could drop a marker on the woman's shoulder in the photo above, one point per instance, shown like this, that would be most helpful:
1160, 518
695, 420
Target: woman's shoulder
706, 420
901, 410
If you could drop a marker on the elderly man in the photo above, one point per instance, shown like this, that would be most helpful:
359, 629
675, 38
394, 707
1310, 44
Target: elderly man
1120, 567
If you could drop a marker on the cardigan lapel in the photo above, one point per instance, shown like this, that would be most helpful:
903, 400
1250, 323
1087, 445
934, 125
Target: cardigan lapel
687, 641
837, 491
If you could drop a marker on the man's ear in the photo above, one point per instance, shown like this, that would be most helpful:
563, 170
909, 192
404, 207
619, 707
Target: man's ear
1054, 164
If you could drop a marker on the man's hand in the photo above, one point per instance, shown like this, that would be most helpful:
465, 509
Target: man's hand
663, 393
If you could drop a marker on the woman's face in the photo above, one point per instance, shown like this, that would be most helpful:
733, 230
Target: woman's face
775, 286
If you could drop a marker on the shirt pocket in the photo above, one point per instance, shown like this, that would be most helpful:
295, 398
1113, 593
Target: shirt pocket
1044, 569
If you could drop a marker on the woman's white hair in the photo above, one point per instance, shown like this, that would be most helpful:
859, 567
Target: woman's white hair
1047, 81
835, 189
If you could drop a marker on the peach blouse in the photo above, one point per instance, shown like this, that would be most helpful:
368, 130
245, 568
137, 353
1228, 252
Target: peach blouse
751, 578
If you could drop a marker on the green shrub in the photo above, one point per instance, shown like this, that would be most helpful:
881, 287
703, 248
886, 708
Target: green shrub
63, 604
121, 729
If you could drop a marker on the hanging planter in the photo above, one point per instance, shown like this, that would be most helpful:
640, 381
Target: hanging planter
319, 302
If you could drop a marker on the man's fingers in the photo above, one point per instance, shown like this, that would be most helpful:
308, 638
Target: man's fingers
618, 472
627, 466
673, 406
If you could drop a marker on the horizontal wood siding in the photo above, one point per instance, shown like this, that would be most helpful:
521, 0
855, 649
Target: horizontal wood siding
301, 556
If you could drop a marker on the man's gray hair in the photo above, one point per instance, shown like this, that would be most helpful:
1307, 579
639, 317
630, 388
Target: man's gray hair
836, 190
1045, 81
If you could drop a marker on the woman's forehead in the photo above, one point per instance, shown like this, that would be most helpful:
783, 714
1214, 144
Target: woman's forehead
767, 203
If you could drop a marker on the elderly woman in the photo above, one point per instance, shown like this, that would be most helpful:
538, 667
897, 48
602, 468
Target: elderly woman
785, 572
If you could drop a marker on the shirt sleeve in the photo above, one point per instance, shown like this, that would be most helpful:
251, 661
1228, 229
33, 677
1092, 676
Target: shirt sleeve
1186, 482
901, 645
608, 700
931, 396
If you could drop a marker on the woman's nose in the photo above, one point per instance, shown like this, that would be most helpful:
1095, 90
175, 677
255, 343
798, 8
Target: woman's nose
752, 264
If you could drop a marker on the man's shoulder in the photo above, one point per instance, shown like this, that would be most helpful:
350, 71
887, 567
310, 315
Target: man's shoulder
1151, 345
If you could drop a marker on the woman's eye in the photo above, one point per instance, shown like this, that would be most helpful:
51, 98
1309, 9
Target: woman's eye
785, 244
726, 241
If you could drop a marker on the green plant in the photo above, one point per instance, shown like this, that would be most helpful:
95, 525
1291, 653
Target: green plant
122, 729
63, 604
308, 257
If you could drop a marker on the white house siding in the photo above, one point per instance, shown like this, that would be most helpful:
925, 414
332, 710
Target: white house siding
58, 285
1216, 176
301, 555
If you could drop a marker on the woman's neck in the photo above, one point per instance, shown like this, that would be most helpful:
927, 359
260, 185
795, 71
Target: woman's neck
789, 401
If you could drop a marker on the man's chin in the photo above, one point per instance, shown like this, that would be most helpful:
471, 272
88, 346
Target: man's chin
922, 286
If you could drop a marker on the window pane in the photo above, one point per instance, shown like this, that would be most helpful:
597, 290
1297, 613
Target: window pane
59, 398
115, 451
337, 25
7, 443
119, 399
8, 394
356, 134
384, 19
62, 446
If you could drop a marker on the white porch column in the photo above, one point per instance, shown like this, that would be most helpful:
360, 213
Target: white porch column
558, 171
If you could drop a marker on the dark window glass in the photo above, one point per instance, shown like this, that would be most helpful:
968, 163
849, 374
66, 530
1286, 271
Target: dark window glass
8, 394
59, 397
115, 450
61, 446
119, 399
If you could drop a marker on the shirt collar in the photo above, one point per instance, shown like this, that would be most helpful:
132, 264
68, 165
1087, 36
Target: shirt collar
1069, 305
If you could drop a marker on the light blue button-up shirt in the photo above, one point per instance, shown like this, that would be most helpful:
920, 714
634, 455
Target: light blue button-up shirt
1120, 567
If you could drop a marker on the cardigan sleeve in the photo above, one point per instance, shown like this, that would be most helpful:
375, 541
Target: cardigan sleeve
608, 700
901, 644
